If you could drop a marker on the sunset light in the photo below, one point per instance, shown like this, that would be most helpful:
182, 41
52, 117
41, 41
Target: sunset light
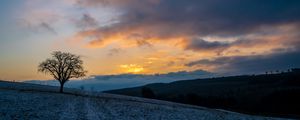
132, 68
149, 37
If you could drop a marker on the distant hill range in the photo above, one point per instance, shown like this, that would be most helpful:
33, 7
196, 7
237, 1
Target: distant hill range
265, 94
110, 82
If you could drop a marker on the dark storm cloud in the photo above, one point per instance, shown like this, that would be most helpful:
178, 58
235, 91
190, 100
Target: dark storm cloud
191, 19
253, 64
166, 19
230, 16
203, 17
219, 47
202, 45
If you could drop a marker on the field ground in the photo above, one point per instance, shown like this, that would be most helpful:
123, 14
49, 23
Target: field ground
29, 101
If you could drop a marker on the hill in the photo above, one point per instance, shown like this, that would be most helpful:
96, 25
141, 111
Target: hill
267, 94
30, 101
110, 82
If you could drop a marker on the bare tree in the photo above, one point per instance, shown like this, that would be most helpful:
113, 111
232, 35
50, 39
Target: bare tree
63, 66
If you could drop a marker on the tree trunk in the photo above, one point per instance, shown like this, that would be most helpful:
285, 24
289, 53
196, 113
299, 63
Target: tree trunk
61, 88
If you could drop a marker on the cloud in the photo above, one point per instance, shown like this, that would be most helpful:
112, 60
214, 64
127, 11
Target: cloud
36, 27
252, 64
86, 21
119, 3
204, 17
163, 20
47, 27
141, 40
37, 16
202, 45
233, 30
114, 51
132, 68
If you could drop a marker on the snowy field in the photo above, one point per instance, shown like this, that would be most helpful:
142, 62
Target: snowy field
34, 102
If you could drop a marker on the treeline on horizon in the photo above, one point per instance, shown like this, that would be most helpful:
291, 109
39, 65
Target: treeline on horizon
276, 94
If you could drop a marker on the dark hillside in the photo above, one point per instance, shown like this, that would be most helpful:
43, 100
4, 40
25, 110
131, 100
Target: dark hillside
267, 94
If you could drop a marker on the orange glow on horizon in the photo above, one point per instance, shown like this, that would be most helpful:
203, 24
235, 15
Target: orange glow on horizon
132, 68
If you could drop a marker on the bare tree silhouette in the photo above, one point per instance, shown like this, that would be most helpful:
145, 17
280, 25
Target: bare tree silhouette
63, 66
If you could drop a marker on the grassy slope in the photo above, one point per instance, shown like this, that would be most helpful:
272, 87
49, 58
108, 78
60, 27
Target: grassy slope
276, 94
29, 101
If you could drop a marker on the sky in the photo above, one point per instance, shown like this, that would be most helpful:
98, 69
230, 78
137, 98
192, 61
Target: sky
150, 36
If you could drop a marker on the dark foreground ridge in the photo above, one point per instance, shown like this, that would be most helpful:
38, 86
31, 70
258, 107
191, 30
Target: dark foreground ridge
267, 94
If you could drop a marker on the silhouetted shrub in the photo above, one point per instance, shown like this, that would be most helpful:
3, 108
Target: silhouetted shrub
147, 93
192, 98
283, 101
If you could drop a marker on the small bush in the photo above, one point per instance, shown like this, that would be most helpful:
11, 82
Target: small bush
147, 93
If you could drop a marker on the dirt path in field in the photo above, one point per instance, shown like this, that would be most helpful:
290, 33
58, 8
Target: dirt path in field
85, 108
